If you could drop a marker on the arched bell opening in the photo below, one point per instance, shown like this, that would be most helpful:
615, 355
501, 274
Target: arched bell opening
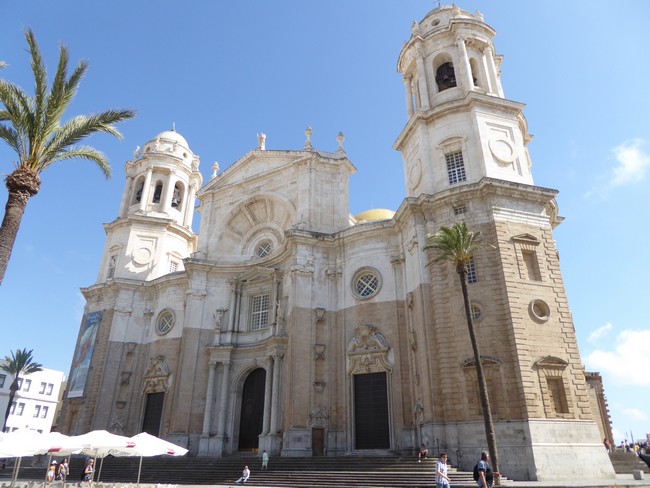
445, 76
177, 196
157, 193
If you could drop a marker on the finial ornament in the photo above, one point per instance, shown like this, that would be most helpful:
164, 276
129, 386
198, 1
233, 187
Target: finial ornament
308, 133
215, 169
261, 141
415, 28
340, 138
136, 153
174, 126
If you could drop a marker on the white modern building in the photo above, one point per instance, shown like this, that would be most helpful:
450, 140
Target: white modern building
36, 400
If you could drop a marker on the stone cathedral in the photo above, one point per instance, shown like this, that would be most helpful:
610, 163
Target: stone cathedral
289, 325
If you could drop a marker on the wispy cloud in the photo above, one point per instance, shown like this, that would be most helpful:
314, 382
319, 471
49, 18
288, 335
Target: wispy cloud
633, 162
600, 332
635, 413
623, 363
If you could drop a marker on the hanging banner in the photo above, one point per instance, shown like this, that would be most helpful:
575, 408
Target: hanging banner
83, 355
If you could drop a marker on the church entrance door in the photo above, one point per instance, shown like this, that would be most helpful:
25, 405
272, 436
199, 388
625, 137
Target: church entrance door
153, 413
371, 411
252, 411
318, 441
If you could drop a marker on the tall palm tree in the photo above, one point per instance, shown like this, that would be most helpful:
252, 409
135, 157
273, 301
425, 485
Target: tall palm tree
35, 131
458, 244
20, 363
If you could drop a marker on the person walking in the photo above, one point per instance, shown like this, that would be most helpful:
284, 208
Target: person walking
482, 472
246, 473
51, 472
64, 469
442, 480
265, 460
87, 474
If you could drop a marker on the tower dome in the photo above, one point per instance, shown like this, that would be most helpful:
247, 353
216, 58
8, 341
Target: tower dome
171, 136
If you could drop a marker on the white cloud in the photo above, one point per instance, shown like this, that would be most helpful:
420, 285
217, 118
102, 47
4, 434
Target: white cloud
633, 162
598, 333
622, 365
635, 413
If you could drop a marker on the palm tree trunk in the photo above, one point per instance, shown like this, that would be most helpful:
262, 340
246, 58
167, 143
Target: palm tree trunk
12, 394
22, 185
483, 391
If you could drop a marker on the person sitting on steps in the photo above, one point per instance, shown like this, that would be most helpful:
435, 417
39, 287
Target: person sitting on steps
424, 452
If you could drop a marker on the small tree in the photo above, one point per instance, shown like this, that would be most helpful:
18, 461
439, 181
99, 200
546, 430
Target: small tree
457, 244
20, 363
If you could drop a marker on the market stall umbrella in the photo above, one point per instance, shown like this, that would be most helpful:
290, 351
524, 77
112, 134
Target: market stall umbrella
17, 444
149, 445
101, 443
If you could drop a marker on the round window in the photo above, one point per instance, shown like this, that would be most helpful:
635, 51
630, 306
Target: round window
263, 249
476, 312
366, 283
165, 322
539, 310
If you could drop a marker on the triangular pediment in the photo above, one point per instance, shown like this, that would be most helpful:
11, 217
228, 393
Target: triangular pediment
526, 238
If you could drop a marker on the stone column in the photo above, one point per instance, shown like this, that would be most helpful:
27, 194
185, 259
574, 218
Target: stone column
128, 191
409, 95
146, 189
467, 82
267, 395
166, 198
233, 305
422, 81
223, 401
276, 394
492, 72
188, 201
209, 397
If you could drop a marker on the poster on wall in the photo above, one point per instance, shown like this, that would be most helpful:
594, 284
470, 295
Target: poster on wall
83, 355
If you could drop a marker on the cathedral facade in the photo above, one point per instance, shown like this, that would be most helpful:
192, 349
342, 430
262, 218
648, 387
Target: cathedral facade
286, 324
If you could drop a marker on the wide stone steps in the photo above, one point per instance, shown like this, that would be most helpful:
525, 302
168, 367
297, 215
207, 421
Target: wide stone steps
321, 472
626, 462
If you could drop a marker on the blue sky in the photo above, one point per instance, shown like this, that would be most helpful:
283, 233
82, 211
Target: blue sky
224, 71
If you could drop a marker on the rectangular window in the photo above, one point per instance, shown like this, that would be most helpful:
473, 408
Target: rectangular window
3, 378
532, 266
50, 386
455, 167
37, 411
460, 209
260, 312
21, 407
20, 383
173, 266
28, 384
471, 271
41, 390
12, 409
44, 411
557, 394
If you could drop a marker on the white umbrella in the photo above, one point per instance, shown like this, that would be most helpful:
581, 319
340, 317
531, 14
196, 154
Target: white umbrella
101, 443
149, 445
19, 443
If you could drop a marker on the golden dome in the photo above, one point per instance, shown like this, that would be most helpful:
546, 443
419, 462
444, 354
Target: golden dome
374, 214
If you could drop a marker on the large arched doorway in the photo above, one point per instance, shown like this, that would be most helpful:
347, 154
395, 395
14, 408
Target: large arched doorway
251, 419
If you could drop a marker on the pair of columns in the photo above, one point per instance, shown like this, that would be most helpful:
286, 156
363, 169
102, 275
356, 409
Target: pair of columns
271, 397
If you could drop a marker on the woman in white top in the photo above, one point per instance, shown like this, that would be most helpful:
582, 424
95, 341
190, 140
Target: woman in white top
442, 481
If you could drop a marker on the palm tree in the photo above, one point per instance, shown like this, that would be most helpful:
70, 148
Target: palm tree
20, 363
35, 131
457, 244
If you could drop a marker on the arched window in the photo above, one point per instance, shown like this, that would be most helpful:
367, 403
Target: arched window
139, 188
476, 79
177, 196
445, 76
157, 192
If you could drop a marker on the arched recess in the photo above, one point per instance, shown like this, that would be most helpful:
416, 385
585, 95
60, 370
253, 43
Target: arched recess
369, 363
157, 382
137, 190
445, 74
251, 418
556, 397
178, 196
261, 217
495, 388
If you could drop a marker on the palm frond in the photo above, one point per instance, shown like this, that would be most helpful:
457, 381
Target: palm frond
456, 244
10, 136
81, 152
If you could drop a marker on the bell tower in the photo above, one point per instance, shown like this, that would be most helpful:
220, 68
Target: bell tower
460, 126
153, 231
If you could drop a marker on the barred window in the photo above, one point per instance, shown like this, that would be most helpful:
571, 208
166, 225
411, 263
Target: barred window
260, 311
165, 322
264, 248
476, 312
460, 209
366, 283
470, 267
173, 266
455, 167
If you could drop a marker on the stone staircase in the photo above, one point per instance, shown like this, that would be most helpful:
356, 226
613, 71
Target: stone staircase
626, 462
318, 472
